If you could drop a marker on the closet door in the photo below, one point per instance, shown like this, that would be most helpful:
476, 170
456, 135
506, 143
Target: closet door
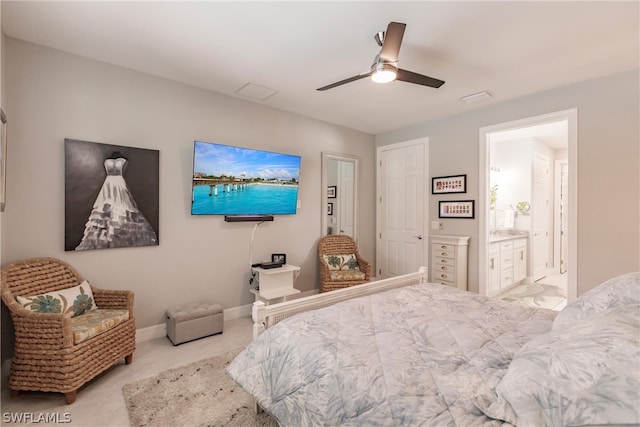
401, 213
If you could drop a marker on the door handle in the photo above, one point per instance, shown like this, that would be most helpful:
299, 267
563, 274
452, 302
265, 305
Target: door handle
419, 237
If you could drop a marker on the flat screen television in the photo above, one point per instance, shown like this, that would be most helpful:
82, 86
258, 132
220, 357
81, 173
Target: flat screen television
230, 180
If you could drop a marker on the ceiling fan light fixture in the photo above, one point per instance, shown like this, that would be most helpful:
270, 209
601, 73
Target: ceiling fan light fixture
384, 73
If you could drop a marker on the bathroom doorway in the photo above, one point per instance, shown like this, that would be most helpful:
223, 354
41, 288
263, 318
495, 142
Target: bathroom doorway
529, 206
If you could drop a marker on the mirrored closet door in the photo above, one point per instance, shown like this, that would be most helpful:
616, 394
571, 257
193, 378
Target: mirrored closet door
340, 194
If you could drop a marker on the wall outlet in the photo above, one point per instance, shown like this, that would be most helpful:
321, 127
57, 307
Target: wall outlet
436, 225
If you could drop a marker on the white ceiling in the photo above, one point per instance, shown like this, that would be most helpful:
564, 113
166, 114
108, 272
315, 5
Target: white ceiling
510, 49
554, 134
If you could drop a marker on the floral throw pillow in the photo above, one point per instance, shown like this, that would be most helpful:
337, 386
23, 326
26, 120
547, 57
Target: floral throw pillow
77, 300
341, 262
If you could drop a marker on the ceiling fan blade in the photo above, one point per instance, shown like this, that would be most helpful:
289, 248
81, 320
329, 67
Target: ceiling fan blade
341, 82
411, 77
392, 41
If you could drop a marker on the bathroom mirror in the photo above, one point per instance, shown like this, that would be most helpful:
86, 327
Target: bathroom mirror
339, 194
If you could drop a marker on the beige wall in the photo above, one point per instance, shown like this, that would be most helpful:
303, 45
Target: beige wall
608, 168
50, 95
53, 95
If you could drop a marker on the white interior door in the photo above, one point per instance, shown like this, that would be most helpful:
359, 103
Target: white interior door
401, 213
540, 215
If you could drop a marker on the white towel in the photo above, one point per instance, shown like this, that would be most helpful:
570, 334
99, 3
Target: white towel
509, 218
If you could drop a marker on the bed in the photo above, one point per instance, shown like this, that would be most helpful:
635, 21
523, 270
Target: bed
403, 351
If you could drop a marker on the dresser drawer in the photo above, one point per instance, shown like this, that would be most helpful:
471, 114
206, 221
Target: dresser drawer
506, 278
506, 246
438, 260
446, 283
506, 255
444, 275
506, 260
444, 268
446, 251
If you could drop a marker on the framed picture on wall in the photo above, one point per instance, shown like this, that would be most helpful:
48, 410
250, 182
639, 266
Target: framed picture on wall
456, 209
331, 191
329, 208
110, 184
449, 184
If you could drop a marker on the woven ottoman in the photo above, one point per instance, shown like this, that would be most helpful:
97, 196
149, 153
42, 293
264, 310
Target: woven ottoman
189, 322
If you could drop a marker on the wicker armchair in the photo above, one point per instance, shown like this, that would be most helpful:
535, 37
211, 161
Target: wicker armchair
339, 244
45, 355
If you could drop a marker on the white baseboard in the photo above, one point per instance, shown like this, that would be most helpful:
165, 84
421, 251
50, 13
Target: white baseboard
160, 331
151, 333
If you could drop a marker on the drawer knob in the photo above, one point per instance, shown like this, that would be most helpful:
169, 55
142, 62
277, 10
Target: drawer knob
443, 267
444, 276
444, 261
443, 247
443, 254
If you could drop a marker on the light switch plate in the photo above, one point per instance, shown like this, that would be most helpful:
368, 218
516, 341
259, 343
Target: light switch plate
436, 225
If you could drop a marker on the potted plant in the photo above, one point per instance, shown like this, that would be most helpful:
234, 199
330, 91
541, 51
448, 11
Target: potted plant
493, 196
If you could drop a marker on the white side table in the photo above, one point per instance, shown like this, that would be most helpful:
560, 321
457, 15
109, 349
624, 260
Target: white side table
275, 284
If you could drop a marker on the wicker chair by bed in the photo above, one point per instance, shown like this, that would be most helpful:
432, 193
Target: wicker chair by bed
58, 352
340, 245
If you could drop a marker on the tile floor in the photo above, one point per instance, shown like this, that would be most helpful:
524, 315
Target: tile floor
557, 302
101, 402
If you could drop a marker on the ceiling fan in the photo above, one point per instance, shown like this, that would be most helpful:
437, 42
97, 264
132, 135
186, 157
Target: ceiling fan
385, 66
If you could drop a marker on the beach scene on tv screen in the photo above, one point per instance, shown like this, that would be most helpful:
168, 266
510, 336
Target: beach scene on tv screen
230, 180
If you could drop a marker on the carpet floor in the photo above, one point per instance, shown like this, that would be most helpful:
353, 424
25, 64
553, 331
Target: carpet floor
198, 394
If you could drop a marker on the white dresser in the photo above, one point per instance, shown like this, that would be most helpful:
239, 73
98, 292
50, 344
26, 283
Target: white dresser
449, 260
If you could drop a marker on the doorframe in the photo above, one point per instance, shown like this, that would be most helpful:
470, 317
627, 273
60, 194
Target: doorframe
425, 143
557, 226
571, 115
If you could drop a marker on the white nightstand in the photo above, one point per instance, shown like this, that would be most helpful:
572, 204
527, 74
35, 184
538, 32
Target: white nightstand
274, 284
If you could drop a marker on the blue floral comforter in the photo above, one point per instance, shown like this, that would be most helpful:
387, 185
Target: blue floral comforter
418, 355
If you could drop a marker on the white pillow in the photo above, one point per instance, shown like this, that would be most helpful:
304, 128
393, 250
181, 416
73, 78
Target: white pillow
77, 300
623, 289
584, 374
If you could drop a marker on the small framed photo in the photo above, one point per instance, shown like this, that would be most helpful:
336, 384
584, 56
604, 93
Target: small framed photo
329, 208
331, 191
279, 258
449, 184
456, 209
